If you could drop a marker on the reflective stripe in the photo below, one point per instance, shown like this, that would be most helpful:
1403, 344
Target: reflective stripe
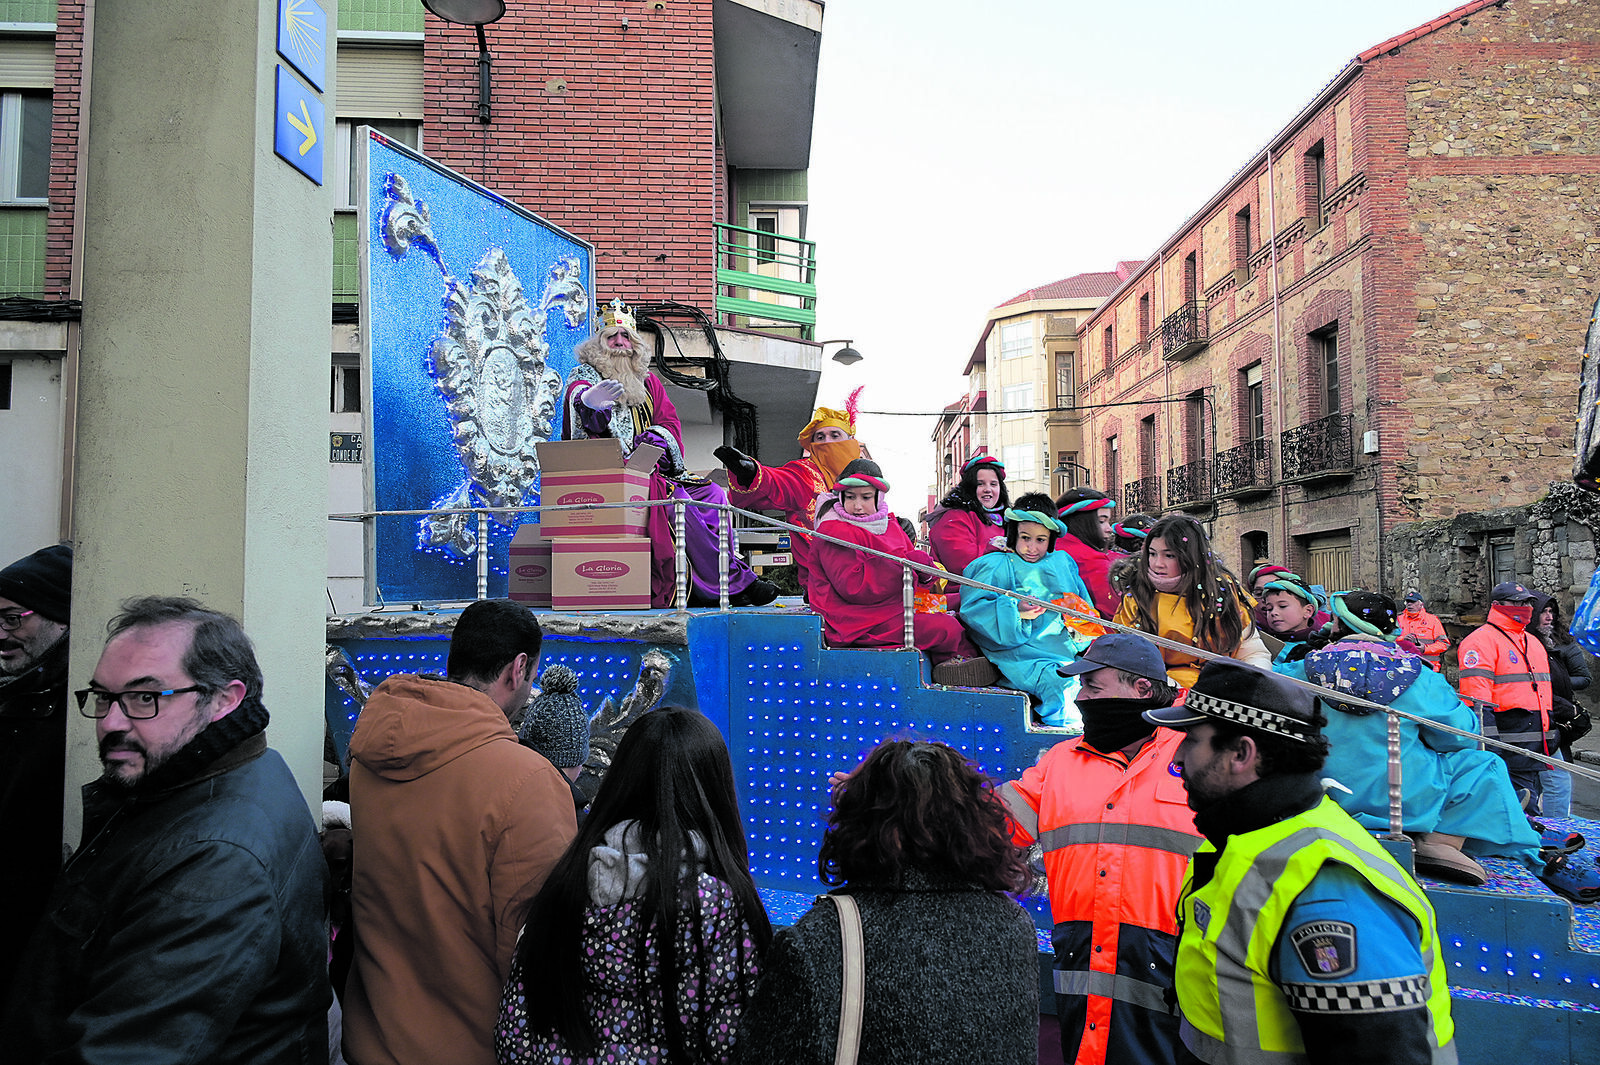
1520, 737
1511, 678
1476, 672
1113, 986
1024, 815
1160, 839
1216, 1052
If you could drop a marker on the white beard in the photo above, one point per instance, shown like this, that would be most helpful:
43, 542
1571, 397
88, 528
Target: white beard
627, 368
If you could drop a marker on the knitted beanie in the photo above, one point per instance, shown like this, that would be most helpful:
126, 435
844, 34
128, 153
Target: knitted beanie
42, 582
555, 724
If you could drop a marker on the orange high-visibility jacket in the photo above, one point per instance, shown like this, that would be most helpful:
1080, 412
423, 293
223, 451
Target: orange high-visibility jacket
1116, 836
1505, 673
1425, 630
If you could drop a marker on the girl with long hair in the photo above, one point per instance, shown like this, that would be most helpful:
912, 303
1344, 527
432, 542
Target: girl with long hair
970, 521
1089, 536
918, 838
1183, 592
1026, 643
643, 944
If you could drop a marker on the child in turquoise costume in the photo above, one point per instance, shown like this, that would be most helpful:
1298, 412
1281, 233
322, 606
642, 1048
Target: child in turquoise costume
1025, 642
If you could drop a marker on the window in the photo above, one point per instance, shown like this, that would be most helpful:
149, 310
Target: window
1194, 426
1019, 461
1016, 400
1191, 279
1315, 175
345, 394
1065, 389
24, 147
1325, 350
1144, 316
1147, 447
1242, 243
1016, 339
1067, 469
1113, 485
1255, 407
1502, 557
1109, 345
1253, 550
345, 189
767, 239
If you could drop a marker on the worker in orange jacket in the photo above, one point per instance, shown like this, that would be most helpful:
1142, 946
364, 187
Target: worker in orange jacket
1111, 815
1505, 675
1421, 633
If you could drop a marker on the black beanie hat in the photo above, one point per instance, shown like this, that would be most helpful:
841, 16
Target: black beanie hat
556, 725
42, 582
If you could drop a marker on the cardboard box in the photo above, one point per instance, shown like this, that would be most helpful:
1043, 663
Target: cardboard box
594, 471
600, 573
530, 567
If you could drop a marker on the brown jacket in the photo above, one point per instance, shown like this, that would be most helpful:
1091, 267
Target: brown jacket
456, 826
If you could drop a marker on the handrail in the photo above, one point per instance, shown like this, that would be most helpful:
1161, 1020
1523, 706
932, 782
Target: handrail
908, 607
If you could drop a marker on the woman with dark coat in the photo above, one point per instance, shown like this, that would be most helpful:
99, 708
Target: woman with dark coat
918, 839
1569, 674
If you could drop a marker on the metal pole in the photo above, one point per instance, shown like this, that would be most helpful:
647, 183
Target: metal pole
1396, 823
483, 554
908, 604
680, 557
723, 519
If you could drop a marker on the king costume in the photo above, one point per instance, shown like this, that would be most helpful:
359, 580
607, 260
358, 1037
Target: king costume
644, 415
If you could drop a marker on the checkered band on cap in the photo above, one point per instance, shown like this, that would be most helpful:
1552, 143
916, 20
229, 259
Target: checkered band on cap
1250, 716
1371, 996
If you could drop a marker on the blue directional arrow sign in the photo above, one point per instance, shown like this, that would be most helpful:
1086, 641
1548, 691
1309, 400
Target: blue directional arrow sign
298, 126
303, 39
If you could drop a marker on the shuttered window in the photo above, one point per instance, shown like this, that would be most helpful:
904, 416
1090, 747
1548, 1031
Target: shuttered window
30, 64
378, 82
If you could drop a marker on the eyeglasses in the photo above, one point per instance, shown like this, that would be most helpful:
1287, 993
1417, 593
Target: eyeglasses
13, 621
136, 705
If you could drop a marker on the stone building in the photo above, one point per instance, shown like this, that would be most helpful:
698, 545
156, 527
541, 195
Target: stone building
1360, 357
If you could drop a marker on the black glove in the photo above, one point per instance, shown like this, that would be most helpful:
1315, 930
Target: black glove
741, 466
1576, 729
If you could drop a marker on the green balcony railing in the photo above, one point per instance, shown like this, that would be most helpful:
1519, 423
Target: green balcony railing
346, 258
22, 250
766, 281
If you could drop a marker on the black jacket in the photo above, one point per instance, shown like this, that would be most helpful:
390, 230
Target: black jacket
952, 976
33, 745
188, 927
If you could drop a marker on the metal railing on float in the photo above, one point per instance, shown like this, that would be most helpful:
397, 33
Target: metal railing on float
726, 512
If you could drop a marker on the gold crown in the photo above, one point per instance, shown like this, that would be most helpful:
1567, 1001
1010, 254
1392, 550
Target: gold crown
618, 314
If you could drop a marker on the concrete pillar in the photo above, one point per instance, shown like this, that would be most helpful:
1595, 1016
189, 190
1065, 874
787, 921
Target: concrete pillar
202, 420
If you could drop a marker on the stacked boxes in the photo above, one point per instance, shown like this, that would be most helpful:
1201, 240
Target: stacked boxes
593, 559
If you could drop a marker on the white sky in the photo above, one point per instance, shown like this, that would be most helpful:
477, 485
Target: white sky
964, 153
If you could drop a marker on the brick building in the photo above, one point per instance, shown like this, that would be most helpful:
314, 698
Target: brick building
674, 137
1359, 358
1026, 357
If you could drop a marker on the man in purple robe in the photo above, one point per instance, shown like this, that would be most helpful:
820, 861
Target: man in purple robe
611, 392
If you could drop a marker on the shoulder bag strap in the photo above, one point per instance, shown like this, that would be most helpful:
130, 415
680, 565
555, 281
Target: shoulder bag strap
853, 985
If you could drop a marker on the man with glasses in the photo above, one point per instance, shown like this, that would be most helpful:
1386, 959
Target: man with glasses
189, 922
35, 603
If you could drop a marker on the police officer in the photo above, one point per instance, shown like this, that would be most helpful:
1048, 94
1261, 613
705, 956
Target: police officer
1301, 940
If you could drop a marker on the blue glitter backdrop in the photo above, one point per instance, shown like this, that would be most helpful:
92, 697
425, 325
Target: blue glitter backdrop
455, 363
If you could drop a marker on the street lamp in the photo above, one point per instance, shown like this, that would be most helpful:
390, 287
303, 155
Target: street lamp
477, 14
845, 356
1067, 471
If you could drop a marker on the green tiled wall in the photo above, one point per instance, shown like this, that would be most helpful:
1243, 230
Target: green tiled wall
766, 186
27, 10
391, 16
346, 259
22, 249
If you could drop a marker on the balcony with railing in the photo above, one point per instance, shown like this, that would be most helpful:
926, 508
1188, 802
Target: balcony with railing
1142, 496
1185, 331
1243, 470
1189, 485
1318, 450
766, 281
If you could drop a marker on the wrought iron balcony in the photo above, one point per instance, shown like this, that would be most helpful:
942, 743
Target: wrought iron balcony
1142, 496
1243, 470
1189, 484
1185, 331
1318, 449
